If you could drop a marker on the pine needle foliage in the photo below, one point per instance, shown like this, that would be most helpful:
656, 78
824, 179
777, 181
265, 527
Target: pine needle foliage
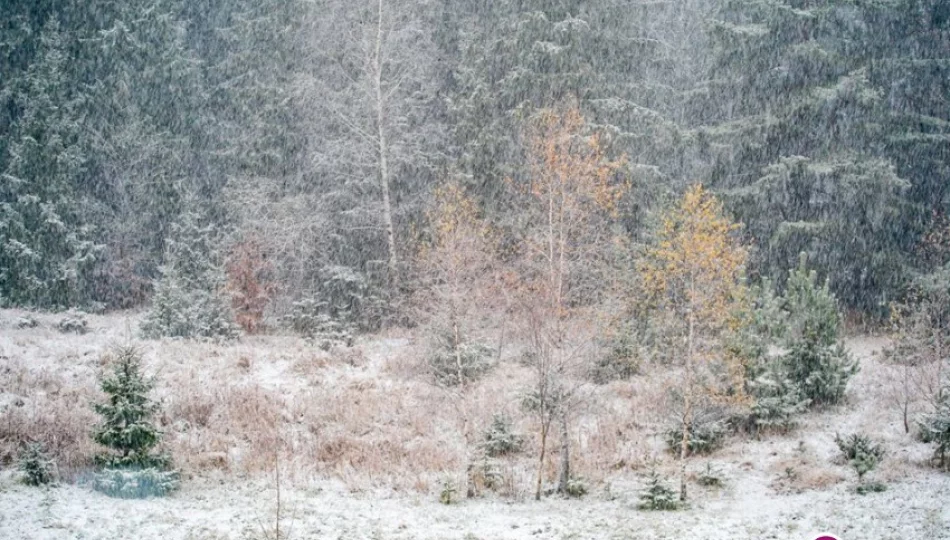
37, 467
190, 299
817, 360
861, 452
935, 428
500, 438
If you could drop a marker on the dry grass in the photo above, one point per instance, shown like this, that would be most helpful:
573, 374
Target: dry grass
41, 407
370, 422
368, 415
803, 471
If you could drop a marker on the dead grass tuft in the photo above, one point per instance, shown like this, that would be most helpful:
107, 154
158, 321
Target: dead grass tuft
803, 473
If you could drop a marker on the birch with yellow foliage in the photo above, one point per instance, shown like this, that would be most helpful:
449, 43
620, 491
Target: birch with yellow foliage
695, 270
571, 198
455, 264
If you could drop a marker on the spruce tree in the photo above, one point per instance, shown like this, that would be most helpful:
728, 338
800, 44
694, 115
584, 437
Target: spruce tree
829, 128
126, 428
132, 467
777, 399
657, 495
35, 464
935, 428
190, 300
46, 251
816, 359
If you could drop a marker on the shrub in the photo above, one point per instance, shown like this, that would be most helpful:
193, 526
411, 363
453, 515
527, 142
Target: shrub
935, 428
352, 297
657, 496
447, 494
311, 319
26, 321
486, 473
860, 452
37, 468
500, 438
135, 483
704, 436
73, 322
871, 487
621, 361
248, 272
576, 488
454, 364
710, 477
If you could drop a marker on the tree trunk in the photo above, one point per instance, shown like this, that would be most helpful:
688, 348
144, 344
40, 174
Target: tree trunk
905, 398
383, 149
684, 449
565, 474
457, 347
544, 442
687, 406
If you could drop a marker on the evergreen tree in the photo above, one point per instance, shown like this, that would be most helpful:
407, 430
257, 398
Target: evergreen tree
658, 496
626, 66
131, 467
149, 135
190, 300
37, 467
46, 251
861, 452
815, 112
126, 428
817, 360
777, 399
500, 438
935, 428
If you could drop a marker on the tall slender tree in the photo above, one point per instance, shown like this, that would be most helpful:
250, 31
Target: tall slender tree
569, 202
696, 270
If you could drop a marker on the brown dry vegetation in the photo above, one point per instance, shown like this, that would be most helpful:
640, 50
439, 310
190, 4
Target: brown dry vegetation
369, 416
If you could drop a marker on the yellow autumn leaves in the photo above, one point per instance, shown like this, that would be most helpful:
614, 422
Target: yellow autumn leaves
698, 263
695, 268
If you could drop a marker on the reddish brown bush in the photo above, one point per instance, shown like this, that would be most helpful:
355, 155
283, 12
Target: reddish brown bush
249, 284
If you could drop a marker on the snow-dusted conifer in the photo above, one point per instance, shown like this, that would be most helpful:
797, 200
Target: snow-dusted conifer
190, 300
132, 467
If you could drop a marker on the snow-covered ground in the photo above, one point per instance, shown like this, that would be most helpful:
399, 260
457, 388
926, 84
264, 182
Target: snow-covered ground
912, 508
782, 487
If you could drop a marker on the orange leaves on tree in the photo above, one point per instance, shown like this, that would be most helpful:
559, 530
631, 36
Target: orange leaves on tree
456, 257
698, 262
575, 191
248, 284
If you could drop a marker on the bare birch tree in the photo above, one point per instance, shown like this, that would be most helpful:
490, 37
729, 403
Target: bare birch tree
370, 98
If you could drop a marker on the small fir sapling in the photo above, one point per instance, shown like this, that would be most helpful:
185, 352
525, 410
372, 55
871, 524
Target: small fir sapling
130, 466
37, 467
657, 495
500, 438
935, 428
863, 455
817, 360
